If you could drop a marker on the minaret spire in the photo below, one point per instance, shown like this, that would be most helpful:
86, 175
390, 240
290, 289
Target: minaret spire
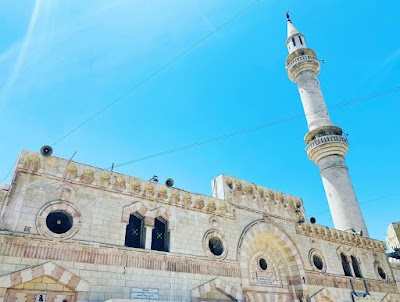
326, 146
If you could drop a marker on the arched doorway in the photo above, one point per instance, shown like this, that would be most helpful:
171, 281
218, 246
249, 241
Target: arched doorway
47, 282
270, 263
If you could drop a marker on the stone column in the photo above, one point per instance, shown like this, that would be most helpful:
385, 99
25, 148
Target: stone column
149, 226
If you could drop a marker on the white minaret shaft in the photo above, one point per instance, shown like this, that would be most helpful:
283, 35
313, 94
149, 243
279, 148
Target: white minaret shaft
325, 144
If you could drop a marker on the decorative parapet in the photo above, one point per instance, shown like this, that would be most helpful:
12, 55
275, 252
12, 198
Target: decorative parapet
327, 145
342, 237
325, 139
301, 60
60, 169
248, 195
344, 282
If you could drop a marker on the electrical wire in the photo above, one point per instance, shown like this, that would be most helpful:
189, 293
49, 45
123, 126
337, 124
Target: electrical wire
130, 90
364, 202
269, 124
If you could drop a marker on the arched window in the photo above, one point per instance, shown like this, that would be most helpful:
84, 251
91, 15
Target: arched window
301, 40
134, 236
160, 236
346, 266
356, 267
293, 41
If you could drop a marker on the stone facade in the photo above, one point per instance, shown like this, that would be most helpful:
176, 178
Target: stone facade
393, 236
91, 262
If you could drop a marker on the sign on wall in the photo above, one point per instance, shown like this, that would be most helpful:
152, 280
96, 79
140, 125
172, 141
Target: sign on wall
144, 293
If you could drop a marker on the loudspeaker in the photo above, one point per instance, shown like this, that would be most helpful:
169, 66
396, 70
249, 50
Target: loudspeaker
169, 182
46, 150
313, 220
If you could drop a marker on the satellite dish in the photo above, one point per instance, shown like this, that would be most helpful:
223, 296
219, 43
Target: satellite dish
46, 150
169, 182
313, 220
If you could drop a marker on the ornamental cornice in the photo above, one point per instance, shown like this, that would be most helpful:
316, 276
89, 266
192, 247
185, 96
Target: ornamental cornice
112, 255
91, 177
341, 237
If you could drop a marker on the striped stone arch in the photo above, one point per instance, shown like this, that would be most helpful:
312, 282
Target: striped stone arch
259, 234
49, 269
160, 212
200, 292
136, 207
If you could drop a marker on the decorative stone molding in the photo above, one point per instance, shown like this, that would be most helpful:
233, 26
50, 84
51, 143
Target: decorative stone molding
113, 255
66, 192
258, 275
290, 258
344, 282
206, 241
317, 253
200, 292
58, 205
91, 177
133, 208
32, 163
244, 194
341, 237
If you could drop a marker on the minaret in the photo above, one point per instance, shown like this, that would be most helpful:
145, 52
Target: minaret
325, 144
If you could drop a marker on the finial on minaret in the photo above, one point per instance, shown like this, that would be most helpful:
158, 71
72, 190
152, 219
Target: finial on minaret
287, 16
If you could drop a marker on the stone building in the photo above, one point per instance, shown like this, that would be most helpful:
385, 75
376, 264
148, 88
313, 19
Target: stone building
72, 232
393, 235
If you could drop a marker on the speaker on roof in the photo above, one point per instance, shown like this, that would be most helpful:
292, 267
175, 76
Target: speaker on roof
169, 182
313, 220
46, 150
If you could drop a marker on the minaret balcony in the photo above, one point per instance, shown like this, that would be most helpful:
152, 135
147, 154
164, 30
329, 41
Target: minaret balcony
327, 145
301, 63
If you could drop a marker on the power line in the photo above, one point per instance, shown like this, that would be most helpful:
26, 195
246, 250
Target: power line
130, 90
225, 136
364, 202
269, 124
10, 171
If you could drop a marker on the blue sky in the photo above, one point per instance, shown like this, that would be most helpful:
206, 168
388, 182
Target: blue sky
62, 61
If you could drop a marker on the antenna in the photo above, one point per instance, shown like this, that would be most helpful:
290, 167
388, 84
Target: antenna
287, 16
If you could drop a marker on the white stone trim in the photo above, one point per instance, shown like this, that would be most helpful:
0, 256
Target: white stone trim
58, 205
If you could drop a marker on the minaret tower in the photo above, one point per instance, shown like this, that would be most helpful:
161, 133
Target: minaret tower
325, 144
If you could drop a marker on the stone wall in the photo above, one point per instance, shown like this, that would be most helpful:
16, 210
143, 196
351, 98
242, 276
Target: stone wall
252, 222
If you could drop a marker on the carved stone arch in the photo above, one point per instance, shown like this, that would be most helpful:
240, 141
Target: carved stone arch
200, 292
160, 212
66, 192
137, 206
261, 235
48, 269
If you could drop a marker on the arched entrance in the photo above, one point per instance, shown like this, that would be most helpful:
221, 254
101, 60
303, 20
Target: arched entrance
47, 282
270, 264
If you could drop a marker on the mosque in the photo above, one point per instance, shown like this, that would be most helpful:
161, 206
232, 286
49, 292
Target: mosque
70, 232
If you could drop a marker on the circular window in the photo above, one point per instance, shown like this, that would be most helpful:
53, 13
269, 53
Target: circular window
381, 273
59, 222
317, 260
216, 246
263, 264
